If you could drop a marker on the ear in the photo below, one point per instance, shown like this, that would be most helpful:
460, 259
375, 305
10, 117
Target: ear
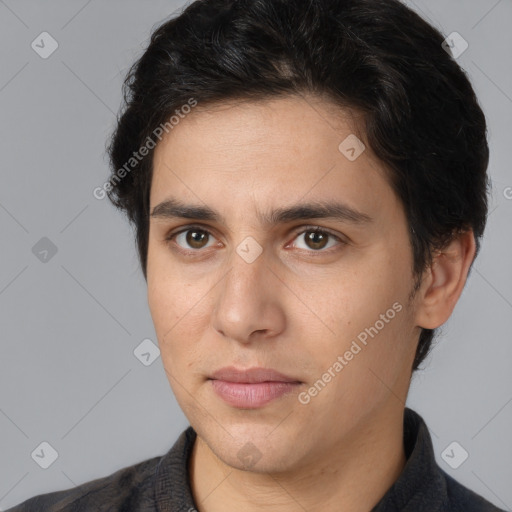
444, 281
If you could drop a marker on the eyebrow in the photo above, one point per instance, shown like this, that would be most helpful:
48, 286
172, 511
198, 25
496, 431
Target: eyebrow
173, 208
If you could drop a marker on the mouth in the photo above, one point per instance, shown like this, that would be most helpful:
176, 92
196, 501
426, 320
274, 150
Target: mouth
251, 388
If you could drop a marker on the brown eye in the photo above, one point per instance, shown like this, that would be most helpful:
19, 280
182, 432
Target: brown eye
315, 239
196, 238
192, 238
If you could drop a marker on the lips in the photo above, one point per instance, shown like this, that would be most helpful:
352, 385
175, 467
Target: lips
251, 388
251, 375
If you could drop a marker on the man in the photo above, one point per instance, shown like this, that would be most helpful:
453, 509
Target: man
307, 180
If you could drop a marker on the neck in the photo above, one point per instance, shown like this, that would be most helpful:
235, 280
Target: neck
352, 476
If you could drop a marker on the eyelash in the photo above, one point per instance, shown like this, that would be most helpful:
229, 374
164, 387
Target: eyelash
304, 229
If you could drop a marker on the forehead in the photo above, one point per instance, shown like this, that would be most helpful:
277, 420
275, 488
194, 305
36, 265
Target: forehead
268, 153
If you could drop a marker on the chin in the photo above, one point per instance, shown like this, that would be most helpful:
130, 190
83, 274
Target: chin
251, 459
258, 448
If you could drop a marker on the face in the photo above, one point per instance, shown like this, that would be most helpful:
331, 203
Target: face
248, 279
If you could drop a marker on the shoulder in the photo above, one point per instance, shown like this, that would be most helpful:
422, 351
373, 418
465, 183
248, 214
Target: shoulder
423, 484
462, 499
129, 488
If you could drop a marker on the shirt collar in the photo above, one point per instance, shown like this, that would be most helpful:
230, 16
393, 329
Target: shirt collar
421, 485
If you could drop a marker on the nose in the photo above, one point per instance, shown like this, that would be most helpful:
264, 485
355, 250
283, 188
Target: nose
249, 303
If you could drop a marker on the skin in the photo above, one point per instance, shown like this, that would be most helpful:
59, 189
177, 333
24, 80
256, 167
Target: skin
295, 309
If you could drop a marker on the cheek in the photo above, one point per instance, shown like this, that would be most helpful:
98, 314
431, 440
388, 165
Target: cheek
354, 299
168, 294
180, 311
366, 310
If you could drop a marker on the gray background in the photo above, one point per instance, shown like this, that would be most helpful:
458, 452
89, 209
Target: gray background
69, 326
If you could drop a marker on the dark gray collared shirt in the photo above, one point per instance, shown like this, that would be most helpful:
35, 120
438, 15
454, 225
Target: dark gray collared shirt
161, 484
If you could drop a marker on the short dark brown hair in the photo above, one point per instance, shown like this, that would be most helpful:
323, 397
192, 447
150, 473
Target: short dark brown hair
421, 115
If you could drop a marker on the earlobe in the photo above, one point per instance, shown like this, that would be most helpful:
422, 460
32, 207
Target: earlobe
444, 281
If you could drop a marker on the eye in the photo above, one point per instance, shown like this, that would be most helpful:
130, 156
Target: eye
192, 238
316, 239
